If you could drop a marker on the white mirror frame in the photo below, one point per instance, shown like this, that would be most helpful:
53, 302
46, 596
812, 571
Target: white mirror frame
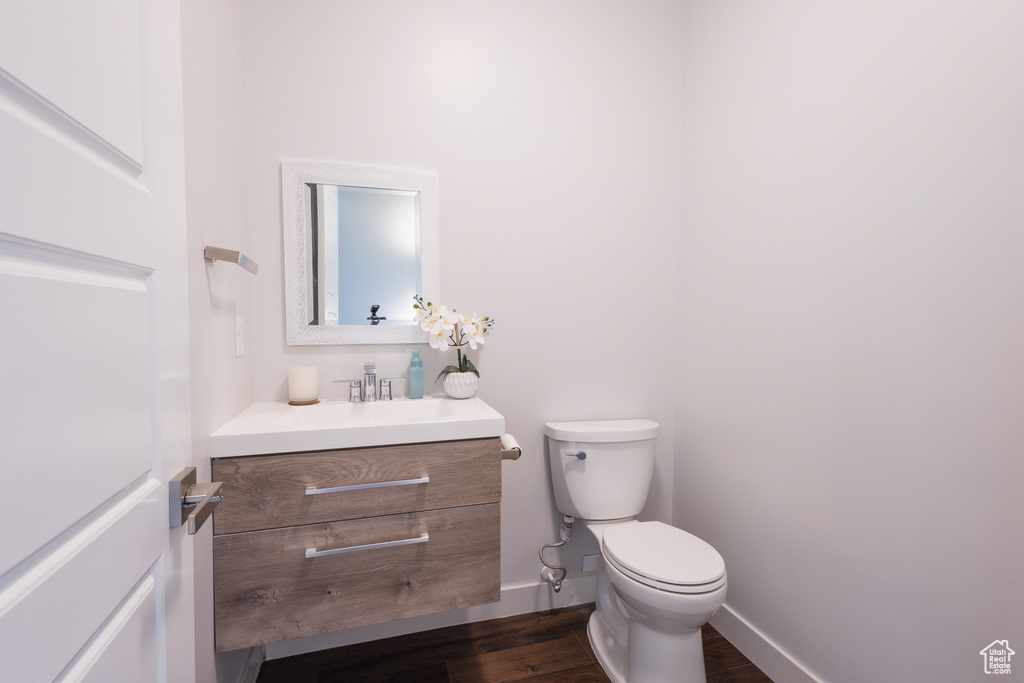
295, 175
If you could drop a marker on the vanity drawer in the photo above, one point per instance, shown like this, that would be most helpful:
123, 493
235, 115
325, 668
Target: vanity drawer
267, 590
266, 492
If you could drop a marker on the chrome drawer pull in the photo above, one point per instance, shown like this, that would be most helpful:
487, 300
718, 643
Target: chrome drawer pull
312, 490
313, 552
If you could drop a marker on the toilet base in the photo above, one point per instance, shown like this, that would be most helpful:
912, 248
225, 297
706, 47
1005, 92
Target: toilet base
684, 664
611, 654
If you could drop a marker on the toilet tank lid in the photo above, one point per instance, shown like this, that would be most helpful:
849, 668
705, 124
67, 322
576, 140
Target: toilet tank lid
602, 431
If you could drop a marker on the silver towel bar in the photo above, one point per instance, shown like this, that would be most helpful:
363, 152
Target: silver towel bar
218, 254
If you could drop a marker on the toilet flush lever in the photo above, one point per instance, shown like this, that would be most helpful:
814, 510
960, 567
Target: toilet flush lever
582, 455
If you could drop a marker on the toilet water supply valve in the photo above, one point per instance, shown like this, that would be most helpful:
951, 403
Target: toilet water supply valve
565, 533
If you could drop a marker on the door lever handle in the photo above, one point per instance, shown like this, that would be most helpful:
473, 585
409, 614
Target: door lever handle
201, 499
190, 502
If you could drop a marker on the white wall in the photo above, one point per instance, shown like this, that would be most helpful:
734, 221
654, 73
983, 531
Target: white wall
555, 130
216, 166
851, 269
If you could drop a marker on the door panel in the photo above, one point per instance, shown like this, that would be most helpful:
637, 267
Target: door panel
57, 190
124, 650
61, 601
77, 395
84, 60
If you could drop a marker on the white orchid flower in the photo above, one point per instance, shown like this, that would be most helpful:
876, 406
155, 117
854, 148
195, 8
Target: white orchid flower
434, 318
428, 323
474, 335
447, 318
425, 314
438, 338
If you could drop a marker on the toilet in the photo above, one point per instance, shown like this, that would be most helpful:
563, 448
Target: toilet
656, 584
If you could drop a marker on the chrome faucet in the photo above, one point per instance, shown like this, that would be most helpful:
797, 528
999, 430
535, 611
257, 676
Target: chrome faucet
366, 388
369, 382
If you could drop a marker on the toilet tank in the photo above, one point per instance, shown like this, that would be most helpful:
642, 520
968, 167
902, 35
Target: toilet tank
612, 480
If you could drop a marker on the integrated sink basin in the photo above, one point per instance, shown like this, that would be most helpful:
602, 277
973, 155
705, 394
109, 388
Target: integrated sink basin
280, 428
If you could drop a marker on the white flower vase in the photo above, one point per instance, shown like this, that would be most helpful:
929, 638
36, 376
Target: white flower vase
461, 384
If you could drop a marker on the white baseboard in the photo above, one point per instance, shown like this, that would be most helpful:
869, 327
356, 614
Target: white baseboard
761, 650
515, 599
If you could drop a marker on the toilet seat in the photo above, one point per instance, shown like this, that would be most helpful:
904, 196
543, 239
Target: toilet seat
663, 557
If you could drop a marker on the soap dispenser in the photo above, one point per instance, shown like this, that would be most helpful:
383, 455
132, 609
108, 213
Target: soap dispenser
415, 375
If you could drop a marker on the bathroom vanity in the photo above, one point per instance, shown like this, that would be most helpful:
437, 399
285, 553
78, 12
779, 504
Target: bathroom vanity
382, 526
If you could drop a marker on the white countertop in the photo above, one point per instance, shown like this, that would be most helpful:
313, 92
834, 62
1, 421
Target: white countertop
282, 428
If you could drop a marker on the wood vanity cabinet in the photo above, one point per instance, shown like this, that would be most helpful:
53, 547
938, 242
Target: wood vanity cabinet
267, 589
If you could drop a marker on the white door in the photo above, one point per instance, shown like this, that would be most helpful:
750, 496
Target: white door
93, 344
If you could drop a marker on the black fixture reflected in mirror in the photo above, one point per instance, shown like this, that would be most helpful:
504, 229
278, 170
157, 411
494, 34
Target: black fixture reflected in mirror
374, 318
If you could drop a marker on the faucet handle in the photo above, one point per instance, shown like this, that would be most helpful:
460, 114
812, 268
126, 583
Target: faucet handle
385, 387
354, 387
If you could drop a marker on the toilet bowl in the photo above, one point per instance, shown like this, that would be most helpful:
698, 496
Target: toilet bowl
657, 584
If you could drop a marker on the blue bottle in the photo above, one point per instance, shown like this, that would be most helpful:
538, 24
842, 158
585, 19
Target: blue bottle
415, 375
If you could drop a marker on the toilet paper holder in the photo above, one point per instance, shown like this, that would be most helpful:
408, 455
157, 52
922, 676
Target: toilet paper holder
510, 449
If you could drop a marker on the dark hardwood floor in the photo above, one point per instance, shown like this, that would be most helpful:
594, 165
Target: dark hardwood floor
545, 647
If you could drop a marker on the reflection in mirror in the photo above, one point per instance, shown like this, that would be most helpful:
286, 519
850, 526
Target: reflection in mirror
360, 242
365, 258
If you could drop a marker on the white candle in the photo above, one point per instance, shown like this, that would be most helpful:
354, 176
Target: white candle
303, 383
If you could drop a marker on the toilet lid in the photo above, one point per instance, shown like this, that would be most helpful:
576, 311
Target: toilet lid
663, 556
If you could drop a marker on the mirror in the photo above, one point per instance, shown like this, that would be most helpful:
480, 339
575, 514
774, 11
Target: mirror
359, 243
